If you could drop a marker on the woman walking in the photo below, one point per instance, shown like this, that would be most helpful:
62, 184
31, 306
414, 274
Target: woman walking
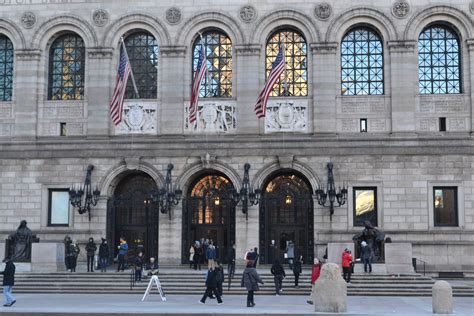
278, 276
315, 272
250, 280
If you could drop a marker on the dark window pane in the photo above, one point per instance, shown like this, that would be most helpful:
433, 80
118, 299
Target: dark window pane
445, 201
6, 68
365, 205
439, 64
142, 50
218, 49
66, 68
361, 63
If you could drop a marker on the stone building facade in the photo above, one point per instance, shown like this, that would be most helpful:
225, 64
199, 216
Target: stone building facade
405, 147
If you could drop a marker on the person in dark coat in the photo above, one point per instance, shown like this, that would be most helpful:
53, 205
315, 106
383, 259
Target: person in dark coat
198, 256
138, 262
278, 276
297, 269
67, 252
91, 248
8, 281
103, 255
74, 253
211, 287
250, 280
366, 254
220, 276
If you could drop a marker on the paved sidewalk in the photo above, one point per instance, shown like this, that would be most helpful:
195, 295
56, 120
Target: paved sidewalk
89, 304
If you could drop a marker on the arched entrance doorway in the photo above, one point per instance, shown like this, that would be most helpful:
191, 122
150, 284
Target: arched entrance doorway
209, 212
286, 214
132, 215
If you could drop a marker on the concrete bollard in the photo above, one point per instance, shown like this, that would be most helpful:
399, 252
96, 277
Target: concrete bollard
442, 298
330, 290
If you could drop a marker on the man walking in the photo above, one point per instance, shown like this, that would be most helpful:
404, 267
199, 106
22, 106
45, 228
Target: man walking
8, 282
366, 255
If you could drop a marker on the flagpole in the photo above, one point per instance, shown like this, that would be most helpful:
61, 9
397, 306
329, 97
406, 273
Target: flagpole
285, 76
131, 70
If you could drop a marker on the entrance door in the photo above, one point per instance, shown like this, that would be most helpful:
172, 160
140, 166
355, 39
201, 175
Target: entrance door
286, 214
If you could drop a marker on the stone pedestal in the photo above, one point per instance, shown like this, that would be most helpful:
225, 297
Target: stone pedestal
398, 258
47, 257
335, 251
442, 298
330, 291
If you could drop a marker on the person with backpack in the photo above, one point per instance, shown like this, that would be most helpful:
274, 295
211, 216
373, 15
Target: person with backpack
278, 276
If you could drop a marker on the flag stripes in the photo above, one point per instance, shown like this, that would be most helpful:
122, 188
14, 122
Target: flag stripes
196, 84
124, 70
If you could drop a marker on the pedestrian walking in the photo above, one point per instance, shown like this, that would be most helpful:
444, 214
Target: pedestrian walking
123, 249
220, 277
138, 263
8, 281
366, 254
250, 280
297, 269
103, 255
346, 265
91, 247
211, 287
191, 256
278, 276
315, 272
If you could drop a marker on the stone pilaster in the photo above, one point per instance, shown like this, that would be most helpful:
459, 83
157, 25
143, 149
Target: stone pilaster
470, 48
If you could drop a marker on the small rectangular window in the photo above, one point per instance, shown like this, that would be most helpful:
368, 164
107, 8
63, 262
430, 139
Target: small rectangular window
363, 125
62, 129
365, 205
442, 124
58, 210
445, 201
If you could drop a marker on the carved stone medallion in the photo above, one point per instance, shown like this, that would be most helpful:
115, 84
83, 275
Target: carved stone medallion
100, 17
28, 20
400, 9
247, 14
173, 15
323, 10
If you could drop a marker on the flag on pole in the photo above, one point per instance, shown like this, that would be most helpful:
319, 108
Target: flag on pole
278, 67
196, 84
124, 71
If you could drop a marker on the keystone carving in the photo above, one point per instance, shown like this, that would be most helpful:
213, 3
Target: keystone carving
400, 9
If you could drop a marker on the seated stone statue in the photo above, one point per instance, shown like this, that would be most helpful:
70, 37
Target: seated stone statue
374, 239
20, 243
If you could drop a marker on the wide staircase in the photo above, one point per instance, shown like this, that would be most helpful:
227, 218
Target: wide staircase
180, 280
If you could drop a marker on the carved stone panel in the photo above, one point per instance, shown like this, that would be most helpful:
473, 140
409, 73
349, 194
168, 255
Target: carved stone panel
359, 105
286, 116
456, 124
52, 110
349, 125
173, 15
443, 104
5, 110
248, 14
100, 17
400, 9
377, 125
5, 129
28, 20
138, 118
212, 117
428, 124
323, 11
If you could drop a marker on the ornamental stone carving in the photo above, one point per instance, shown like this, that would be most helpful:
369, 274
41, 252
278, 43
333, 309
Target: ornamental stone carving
138, 118
28, 20
323, 10
247, 14
100, 17
173, 15
212, 117
286, 116
400, 9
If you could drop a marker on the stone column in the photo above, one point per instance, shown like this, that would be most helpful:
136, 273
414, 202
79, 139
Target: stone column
247, 84
172, 89
99, 90
404, 85
323, 81
25, 106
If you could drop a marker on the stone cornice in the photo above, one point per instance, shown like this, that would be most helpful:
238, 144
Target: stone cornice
28, 54
248, 49
173, 51
402, 46
100, 52
324, 47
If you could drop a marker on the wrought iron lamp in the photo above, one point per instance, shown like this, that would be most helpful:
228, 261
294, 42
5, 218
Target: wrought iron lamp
166, 197
247, 194
331, 196
84, 197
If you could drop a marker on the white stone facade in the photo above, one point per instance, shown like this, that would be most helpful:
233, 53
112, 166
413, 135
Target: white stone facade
403, 153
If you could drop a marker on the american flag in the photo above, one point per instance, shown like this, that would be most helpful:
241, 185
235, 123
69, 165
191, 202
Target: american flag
124, 70
196, 84
278, 67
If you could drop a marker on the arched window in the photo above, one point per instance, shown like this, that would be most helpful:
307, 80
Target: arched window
361, 63
294, 80
66, 68
218, 80
142, 51
6, 68
439, 65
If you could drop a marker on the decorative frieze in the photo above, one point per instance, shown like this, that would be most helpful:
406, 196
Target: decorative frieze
173, 51
324, 47
5, 110
323, 11
428, 124
28, 19
400, 9
28, 54
248, 49
100, 52
457, 124
52, 110
173, 15
442, 104
100, 17
286, 116
247, 14
138, 118
377, 125
212, 117
348, 125
364, 105
6, 129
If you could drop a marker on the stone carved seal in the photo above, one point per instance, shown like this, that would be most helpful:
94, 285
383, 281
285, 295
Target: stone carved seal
173, 15
100, 17
323, 10
400, 9
28, 20
247, 14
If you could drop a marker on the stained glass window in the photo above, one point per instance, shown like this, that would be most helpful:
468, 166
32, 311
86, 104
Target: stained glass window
439, 66
361, 63
66, 68
218, 80
142, 51
294, 80
6, 68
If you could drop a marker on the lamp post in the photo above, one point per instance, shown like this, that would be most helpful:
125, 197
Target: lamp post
331, 196
166, 197
247, 194
84, 197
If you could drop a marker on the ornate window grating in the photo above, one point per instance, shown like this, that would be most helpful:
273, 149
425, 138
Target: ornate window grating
218, 80
6, 68
66, 68
362, 63
439, 66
